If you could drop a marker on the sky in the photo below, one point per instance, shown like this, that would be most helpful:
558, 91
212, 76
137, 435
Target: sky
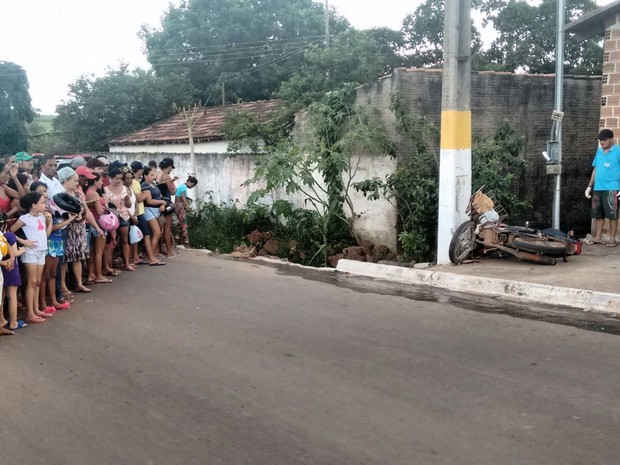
57, 41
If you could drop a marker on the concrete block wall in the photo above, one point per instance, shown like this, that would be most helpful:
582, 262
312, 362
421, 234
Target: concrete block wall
526, 103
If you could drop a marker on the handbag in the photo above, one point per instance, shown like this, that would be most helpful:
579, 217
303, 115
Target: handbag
135, 235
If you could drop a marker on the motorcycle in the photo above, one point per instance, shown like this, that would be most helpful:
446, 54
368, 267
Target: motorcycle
485, 234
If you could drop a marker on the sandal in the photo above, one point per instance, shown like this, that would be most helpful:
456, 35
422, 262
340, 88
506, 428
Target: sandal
103, 281
51, 310
64, 306
20, 325
611, 244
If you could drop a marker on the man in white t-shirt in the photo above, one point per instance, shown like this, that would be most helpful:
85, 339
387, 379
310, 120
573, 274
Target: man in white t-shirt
48, 175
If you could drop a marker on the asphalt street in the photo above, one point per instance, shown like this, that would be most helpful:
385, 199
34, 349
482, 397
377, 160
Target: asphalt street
215, 361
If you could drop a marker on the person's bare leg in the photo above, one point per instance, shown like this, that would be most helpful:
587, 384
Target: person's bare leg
599, 229
77, 272
11, 292
613, 228
99, 249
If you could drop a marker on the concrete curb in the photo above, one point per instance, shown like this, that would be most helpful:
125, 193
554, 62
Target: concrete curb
586, 300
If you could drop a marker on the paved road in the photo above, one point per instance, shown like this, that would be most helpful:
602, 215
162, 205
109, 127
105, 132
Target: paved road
240, 363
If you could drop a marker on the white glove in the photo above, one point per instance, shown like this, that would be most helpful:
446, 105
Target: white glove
589, 192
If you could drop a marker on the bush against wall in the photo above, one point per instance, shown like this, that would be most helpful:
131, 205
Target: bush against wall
413, 187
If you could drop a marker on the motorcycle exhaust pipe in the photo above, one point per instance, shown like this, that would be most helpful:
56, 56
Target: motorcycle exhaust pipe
527, 256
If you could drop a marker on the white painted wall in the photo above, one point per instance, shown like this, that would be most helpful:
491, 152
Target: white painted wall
222, 176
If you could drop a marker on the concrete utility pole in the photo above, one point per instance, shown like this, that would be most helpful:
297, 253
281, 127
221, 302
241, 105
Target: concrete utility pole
455, 157
554, 147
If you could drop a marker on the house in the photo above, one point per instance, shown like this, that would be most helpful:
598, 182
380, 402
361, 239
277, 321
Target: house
171, 136
605, 20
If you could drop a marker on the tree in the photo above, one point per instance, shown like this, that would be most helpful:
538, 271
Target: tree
339, 133
423, 35
527, 37
355, 57
15, 107
120, 102
251, 46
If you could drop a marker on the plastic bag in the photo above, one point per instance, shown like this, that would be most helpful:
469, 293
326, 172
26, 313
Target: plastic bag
135, 235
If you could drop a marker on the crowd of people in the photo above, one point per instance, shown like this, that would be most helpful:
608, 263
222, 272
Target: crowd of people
64, 230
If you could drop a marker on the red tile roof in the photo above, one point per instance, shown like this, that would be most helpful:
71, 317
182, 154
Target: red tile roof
208, 127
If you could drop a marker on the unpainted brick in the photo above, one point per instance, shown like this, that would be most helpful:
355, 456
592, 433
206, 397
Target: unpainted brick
607, 112
613, 100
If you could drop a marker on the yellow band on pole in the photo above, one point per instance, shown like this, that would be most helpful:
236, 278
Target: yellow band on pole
455, 130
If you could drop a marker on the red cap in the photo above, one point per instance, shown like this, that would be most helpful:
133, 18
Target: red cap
84, 171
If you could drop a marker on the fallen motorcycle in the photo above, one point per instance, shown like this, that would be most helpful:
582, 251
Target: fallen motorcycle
485, 234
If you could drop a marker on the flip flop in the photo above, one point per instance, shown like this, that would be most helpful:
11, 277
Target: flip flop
21, 324
157, 264
84, 290
103, 281
64, 306
611, 244
36, 320
50, 310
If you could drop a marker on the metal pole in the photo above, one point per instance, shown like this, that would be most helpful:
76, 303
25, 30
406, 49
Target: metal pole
557, 123
455, 155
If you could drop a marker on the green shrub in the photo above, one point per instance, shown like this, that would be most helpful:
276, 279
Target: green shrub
216, 227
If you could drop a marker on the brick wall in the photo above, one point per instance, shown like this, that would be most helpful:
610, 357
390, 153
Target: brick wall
525, 102
610, 92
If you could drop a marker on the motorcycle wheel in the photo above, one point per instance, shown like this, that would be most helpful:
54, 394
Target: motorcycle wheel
463, 242
538, 245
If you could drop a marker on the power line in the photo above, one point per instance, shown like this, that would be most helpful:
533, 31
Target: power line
226, 58
236, 45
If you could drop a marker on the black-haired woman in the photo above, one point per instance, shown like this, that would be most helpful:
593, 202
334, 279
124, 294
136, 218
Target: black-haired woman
120, 196
96, 205
182, 205
153, 206
166, 185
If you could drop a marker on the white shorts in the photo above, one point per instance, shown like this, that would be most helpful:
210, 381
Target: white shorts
34, 257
